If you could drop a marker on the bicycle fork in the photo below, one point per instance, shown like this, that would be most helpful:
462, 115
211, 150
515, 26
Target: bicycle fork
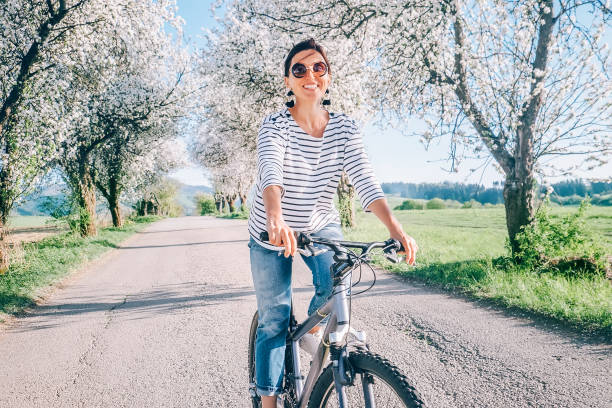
344, 375
343, 372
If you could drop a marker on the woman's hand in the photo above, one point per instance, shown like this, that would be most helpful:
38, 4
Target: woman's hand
281, 235
409, 244
381, 209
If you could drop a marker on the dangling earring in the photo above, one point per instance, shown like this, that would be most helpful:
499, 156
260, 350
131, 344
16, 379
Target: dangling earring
326, 101
290, 102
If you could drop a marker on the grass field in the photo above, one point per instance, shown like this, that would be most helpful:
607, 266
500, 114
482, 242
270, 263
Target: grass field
459, 249
41, 263
28, 221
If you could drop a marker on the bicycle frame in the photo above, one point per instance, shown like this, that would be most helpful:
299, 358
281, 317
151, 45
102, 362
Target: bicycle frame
336, 331
338, 326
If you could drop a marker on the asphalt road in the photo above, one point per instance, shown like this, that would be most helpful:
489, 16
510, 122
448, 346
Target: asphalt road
163, 322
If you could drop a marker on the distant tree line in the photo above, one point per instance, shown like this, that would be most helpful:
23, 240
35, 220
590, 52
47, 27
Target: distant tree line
581, 188
494, 195
447, 191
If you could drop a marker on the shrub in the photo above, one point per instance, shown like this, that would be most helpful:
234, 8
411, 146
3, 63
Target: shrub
435, 204
452, 203
471, 204
205, 204
602, 199
410, 205
561, 244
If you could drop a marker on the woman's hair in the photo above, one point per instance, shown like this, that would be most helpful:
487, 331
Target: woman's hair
309, 44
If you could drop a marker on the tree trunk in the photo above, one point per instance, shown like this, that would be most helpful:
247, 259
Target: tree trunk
7, 194
519, 201
346, 196
115, 212
231, 199
242, 197
86, 199
4, 249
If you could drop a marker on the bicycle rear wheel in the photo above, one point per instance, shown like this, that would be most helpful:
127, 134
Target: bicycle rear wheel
288, 396
255, 399
389, 387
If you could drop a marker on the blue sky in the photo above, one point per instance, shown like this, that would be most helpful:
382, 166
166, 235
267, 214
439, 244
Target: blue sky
395, 157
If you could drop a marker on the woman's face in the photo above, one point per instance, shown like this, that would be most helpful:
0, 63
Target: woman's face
311, 86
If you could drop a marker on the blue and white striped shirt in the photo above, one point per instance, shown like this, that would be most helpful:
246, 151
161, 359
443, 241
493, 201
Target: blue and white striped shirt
308, 170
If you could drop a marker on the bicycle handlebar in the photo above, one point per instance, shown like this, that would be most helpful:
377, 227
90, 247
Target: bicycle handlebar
305, 241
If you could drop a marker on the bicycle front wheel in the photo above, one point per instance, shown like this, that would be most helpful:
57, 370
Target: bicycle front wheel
375, 377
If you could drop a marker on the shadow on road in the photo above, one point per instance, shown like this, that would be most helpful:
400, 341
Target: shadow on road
190, 229
187, 244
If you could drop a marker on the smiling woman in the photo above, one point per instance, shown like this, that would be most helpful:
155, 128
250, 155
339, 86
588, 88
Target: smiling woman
302, 153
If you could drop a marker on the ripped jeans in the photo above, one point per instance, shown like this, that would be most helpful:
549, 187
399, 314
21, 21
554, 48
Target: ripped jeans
272, 280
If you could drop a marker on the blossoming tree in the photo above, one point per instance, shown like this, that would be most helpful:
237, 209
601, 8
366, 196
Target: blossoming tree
125, 88
241, 67
523, 81
32, 34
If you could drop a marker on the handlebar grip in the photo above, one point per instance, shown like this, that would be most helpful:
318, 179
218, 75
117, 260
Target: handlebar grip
264, 236
394, 244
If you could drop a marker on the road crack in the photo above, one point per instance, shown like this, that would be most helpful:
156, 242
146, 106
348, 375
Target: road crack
86, 359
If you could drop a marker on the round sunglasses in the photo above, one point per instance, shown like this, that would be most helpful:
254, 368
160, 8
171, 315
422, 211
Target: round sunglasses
299, 70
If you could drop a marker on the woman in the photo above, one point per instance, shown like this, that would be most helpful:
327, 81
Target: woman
302, 152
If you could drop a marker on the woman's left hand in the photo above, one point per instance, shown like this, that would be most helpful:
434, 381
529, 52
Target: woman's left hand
381, 209
409, 244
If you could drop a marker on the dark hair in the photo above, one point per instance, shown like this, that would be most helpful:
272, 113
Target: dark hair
309, 44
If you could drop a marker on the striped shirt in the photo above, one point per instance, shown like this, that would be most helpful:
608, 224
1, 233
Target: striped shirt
308, 170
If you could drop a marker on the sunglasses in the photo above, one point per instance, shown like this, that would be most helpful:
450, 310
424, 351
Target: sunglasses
299, 70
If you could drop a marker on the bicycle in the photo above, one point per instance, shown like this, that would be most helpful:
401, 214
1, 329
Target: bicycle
336, 384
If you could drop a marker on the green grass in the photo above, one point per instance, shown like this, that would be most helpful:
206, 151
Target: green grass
44, 262
28, 221
238, 215
464, 249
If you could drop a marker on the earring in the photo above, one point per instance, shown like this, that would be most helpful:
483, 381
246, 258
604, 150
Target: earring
326, 101
290, 102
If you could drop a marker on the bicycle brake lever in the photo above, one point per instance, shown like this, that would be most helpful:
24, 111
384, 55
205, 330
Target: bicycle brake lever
314, 251
392, 257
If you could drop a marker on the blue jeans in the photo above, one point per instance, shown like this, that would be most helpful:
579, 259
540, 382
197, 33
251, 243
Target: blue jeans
272, 280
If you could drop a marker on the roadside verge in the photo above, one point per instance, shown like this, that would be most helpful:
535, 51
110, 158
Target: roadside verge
42, 265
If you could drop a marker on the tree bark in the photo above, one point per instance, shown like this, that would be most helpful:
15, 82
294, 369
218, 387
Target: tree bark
346, 196
115, 212
519, 202
111, 193
231, 200
6, 203
242, 197
4, 250
86, 196
219, 202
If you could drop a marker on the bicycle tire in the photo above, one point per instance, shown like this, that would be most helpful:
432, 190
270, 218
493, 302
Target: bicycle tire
255, 399
288, 386
364, 362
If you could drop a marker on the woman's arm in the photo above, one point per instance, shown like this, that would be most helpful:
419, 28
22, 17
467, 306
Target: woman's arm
280, 233
381, 209
270, 153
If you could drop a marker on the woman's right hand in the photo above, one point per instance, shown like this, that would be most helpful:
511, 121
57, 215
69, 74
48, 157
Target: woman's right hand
281, 235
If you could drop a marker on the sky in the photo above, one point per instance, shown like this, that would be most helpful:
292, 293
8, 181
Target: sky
394, 156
